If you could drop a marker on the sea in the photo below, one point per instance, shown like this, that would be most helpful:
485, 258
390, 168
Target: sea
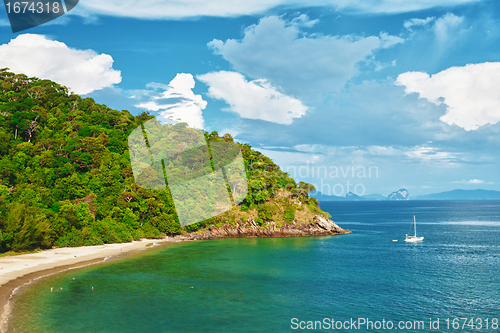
365, 281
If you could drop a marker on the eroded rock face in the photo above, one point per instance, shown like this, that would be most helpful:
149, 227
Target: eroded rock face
402, 194
318, 226
328, 224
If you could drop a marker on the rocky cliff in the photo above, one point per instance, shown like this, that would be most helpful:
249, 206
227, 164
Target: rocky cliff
402, 194
318, 226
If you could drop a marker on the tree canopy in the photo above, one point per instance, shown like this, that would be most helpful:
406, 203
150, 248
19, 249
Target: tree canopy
66, 177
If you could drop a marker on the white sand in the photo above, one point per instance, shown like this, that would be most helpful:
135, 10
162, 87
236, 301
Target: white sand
13, 267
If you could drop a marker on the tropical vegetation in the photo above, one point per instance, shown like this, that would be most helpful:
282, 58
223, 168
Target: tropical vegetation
66, 177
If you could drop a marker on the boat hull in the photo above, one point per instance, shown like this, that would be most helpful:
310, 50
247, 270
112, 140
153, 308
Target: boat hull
414, 239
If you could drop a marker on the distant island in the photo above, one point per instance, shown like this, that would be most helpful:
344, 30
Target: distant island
403, 194
461, 195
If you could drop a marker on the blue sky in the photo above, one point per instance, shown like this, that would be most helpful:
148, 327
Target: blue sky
405, 89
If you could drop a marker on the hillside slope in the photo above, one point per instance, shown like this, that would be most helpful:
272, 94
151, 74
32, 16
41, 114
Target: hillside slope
66, 177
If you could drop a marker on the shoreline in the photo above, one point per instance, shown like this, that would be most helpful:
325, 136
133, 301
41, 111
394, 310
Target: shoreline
21, 270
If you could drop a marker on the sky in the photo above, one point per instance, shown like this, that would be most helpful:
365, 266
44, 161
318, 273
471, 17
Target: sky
362, 96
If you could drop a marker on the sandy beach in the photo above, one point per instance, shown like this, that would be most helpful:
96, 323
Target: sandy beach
16, 271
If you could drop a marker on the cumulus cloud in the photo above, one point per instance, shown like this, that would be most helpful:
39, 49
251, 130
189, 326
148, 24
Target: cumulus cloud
366, 114
153, 9
177, 102
470, 93
446, 26
417, 22
256, 99
446, 29
283, 53
83, 71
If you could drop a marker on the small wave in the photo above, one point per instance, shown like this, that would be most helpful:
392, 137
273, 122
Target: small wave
482, 223
463, 246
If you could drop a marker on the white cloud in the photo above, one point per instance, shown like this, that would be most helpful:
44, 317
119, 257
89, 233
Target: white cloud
378, 66
307, 148
61, 20
429, 154
417, 22
83, 71
256, 99
153, 9
422, 153
396, 6
178, 101
472, 181
281, 52
446, 26
383, 151
447, 30
470, 92
88, 16
234, 131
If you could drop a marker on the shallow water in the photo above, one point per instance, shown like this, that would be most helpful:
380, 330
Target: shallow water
260, 285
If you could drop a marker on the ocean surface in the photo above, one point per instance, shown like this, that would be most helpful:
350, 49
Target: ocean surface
285, 284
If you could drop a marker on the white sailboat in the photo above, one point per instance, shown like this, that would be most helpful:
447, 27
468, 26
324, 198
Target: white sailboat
413, 239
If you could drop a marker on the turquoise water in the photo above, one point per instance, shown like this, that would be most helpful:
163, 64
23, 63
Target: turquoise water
260, 285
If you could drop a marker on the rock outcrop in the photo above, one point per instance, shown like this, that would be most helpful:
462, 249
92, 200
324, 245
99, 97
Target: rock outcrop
318, 226
402, 194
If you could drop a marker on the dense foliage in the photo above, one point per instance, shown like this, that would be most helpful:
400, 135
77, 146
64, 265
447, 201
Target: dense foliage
66, 177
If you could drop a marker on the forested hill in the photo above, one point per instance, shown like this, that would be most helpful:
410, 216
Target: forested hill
66, 176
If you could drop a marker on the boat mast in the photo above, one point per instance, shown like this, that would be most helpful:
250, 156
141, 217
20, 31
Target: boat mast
415, 225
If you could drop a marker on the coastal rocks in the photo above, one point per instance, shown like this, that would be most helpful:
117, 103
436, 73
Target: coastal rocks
318, 226
328, 225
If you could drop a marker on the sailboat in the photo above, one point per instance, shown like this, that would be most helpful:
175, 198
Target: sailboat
413, 239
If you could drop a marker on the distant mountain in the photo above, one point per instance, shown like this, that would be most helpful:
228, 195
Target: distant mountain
402, 194
461, 195
352, 196
348, 197
323, 197
374, 197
